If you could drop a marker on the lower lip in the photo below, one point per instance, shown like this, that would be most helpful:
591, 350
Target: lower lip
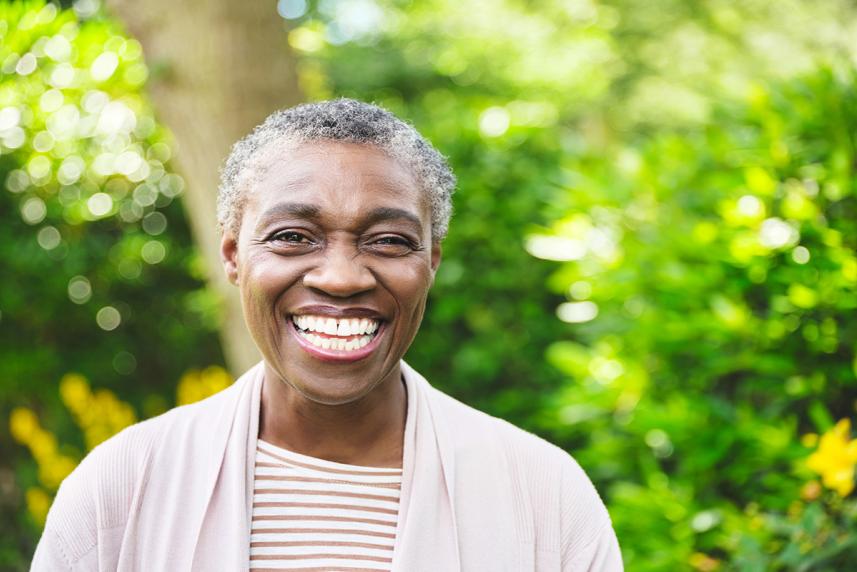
337, 356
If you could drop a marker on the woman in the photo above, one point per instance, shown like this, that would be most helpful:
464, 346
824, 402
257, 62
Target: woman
331, 454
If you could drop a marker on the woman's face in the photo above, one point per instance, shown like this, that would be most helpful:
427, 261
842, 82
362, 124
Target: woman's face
334, 261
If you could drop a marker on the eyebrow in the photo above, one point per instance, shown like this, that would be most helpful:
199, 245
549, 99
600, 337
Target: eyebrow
296, 210
310, 211
389, 213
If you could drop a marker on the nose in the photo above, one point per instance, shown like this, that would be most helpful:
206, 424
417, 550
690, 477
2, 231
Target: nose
340, 273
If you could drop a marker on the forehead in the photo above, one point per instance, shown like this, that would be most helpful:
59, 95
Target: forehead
344, 177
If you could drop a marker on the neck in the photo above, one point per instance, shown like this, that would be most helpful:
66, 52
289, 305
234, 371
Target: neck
366, 432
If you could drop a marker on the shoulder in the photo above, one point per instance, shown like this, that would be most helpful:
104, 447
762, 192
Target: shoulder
548, 479
94, 497
99, 494
111, 465
518, 445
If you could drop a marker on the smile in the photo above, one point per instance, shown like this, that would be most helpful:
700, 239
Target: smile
343, 335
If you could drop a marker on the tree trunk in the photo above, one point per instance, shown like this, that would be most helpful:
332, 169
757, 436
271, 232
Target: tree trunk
218, 68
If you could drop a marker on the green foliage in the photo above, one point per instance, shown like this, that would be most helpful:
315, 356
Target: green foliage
722, 266
99, 271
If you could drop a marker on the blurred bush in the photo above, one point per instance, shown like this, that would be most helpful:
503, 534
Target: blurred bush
712, 279
100, 276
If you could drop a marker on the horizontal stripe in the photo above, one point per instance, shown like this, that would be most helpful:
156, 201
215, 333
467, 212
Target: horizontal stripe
322, 564
323, 505
299, 523
319, 569
331, 537
276, 477
322, 469
320, 543
330, 498
265, 504
321, 531
288, 478
362, 504
321, 518
308, 551
324, 493
353, 515
270, 449
330, 556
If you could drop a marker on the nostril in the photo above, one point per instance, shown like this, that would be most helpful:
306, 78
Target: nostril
340, 279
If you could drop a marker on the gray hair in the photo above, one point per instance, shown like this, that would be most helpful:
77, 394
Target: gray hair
348, 121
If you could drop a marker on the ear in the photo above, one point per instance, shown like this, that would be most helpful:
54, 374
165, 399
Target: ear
229, 256
436, 252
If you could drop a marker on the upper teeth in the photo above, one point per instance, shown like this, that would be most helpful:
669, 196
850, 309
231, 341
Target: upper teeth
332, 327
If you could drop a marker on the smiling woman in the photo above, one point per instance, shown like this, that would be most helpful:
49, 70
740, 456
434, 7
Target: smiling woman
331, 454
349, 240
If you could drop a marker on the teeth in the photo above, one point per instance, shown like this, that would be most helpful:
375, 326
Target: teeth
332, 327
351, 334
344, 328
338, 344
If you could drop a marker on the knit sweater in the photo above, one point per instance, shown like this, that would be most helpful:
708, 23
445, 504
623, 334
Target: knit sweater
175, 493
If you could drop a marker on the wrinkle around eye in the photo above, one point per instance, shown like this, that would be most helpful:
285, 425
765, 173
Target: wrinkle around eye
289, 242
393, 246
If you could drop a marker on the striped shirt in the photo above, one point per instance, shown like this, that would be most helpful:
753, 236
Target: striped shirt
315, 515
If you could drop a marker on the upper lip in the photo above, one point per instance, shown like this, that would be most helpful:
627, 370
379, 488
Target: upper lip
337, 312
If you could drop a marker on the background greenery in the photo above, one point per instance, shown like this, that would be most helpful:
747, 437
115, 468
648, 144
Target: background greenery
652, 261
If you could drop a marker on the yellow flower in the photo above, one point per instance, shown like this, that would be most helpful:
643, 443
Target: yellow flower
835, 458
23, 424
196, 385
43, 445
74, 391
38, 503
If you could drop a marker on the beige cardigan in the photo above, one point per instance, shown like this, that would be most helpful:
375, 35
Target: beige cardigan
174, 493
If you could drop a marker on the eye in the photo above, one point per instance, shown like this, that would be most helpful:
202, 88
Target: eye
392, 245
393, 240
290, 237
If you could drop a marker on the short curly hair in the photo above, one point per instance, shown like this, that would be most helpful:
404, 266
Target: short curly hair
349, 121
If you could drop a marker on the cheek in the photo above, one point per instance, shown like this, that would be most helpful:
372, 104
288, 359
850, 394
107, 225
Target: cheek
264, 280
410, 286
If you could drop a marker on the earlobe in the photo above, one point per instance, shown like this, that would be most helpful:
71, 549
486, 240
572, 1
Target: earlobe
229, 256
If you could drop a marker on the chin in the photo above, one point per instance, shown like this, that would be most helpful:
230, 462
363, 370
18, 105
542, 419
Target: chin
326, 391
333, 397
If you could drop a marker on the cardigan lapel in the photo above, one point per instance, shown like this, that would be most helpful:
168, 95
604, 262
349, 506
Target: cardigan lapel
426, 537
474, 483
184, 473
229, 509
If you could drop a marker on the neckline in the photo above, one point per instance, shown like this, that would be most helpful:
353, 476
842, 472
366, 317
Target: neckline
262, 445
